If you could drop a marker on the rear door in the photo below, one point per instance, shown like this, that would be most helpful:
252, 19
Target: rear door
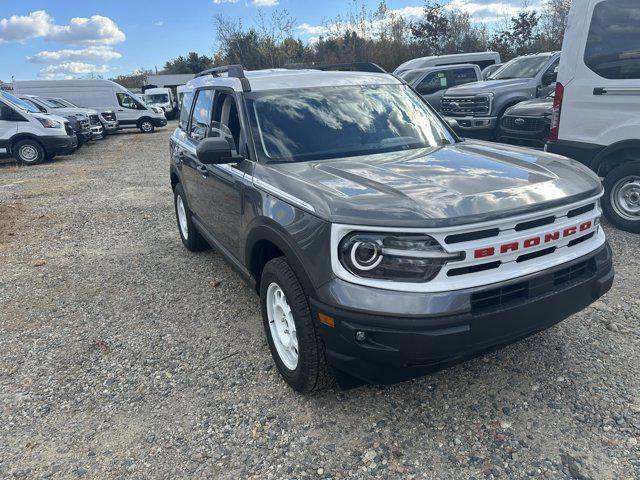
432, 86
601, 102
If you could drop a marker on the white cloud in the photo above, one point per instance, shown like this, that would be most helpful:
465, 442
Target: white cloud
97, 30
306, 29
488, 12
72, 69
264, 3
102, 54
159, 23
20, 28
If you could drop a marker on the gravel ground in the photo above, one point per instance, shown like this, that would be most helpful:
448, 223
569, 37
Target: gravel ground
122, 355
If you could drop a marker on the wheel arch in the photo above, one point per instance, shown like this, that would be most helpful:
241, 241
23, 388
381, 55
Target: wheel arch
24, 136
603, 163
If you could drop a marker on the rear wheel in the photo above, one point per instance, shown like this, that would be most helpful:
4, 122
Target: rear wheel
28, 152
621, 201
295, 344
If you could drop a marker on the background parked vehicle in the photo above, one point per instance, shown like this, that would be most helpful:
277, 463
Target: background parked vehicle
431, 82
55, 107
482, 59
597, 103
98, 121
528, 123
478, 107
163, 98
31, 136
101, 95
487, 71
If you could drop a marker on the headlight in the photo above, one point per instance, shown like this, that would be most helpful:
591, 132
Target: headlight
48, 123
391, 256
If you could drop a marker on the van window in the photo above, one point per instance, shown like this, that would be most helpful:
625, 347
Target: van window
432, 83
127, 101
460, 76
201, 117
185, 111
613, 44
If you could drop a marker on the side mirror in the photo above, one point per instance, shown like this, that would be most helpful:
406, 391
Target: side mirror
214, 150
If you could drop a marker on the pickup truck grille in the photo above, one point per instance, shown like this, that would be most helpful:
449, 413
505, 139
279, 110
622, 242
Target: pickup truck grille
475, 106
109, 116
524, 124
94, 119
84, 124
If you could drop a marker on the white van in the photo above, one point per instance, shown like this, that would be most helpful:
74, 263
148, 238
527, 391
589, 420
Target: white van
162, 97
597, 102
31, 136
100, 95
482, 59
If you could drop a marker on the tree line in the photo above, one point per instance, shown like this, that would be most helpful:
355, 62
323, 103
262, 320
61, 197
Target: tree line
381, 36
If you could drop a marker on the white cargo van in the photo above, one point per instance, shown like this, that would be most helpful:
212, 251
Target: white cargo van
100, 95
164, 98
482, 59
31, 136
597, 102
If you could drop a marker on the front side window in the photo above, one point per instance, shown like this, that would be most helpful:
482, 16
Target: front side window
54, 103
521, 67
34, 105
332, 122
432, 83
127, 101
201, 118
613, 44
460, 76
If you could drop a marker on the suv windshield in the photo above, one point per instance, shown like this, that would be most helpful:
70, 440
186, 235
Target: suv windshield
28, 107
333, 122
53, 103
410, 75
521, 67
63, 102
156, 98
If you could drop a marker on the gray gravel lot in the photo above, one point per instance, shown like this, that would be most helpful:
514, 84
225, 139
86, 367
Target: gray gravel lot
122, 355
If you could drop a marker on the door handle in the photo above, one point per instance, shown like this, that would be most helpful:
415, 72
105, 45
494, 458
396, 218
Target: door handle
616, 91
203, 170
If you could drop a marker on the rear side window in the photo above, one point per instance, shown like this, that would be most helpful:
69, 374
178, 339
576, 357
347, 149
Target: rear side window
187, 101
613, 44
201, 118
460, 76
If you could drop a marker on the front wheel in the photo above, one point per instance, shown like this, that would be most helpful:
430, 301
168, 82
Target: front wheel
29, 152
294, 342
146, 126
621, 201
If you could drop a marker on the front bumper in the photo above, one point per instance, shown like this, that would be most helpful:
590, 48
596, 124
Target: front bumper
110, 126
447, 328
97, 131
475, 124
159, 122
59, 144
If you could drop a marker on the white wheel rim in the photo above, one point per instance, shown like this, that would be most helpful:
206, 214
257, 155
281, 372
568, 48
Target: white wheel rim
282, 326
182, 217
146, 126
28, 153
625, 198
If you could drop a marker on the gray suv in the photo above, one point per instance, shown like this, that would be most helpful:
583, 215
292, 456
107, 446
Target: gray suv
381, 245
478, 107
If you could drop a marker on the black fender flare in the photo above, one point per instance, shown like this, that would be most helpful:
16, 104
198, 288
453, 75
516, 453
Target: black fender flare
141, 119
600, 158
269, 230
23, 136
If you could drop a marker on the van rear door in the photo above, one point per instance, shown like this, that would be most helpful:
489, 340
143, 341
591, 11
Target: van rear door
602, 88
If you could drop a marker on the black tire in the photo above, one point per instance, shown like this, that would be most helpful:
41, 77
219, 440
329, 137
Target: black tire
193, 240
28, 152
311, 372
146, 125
614, 212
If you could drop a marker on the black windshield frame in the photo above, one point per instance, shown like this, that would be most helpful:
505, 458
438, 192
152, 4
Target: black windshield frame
448, 135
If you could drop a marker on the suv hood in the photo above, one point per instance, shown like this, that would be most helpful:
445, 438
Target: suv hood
75, 111
539, 107
467, 182
487, 86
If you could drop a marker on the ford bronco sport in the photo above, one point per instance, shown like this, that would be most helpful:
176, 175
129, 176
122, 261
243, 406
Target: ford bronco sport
382, 246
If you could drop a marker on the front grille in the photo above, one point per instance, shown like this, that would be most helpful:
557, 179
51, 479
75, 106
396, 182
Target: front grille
94, 119
109, 116
519, 292
68, 129
85, 124
466, 106
524, 124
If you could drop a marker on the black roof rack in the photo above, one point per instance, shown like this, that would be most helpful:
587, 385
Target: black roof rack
352, 67
235, 71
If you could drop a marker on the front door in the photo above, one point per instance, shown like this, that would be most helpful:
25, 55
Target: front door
129, 109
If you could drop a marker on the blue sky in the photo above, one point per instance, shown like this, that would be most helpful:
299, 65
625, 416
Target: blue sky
62, 38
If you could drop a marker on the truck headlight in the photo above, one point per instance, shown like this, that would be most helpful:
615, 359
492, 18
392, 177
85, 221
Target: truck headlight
48, 123
393, 256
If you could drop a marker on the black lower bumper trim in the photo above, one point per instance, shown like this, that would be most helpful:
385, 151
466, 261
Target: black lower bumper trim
59, 145
397, 349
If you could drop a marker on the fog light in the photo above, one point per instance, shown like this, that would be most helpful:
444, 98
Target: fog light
361, 336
